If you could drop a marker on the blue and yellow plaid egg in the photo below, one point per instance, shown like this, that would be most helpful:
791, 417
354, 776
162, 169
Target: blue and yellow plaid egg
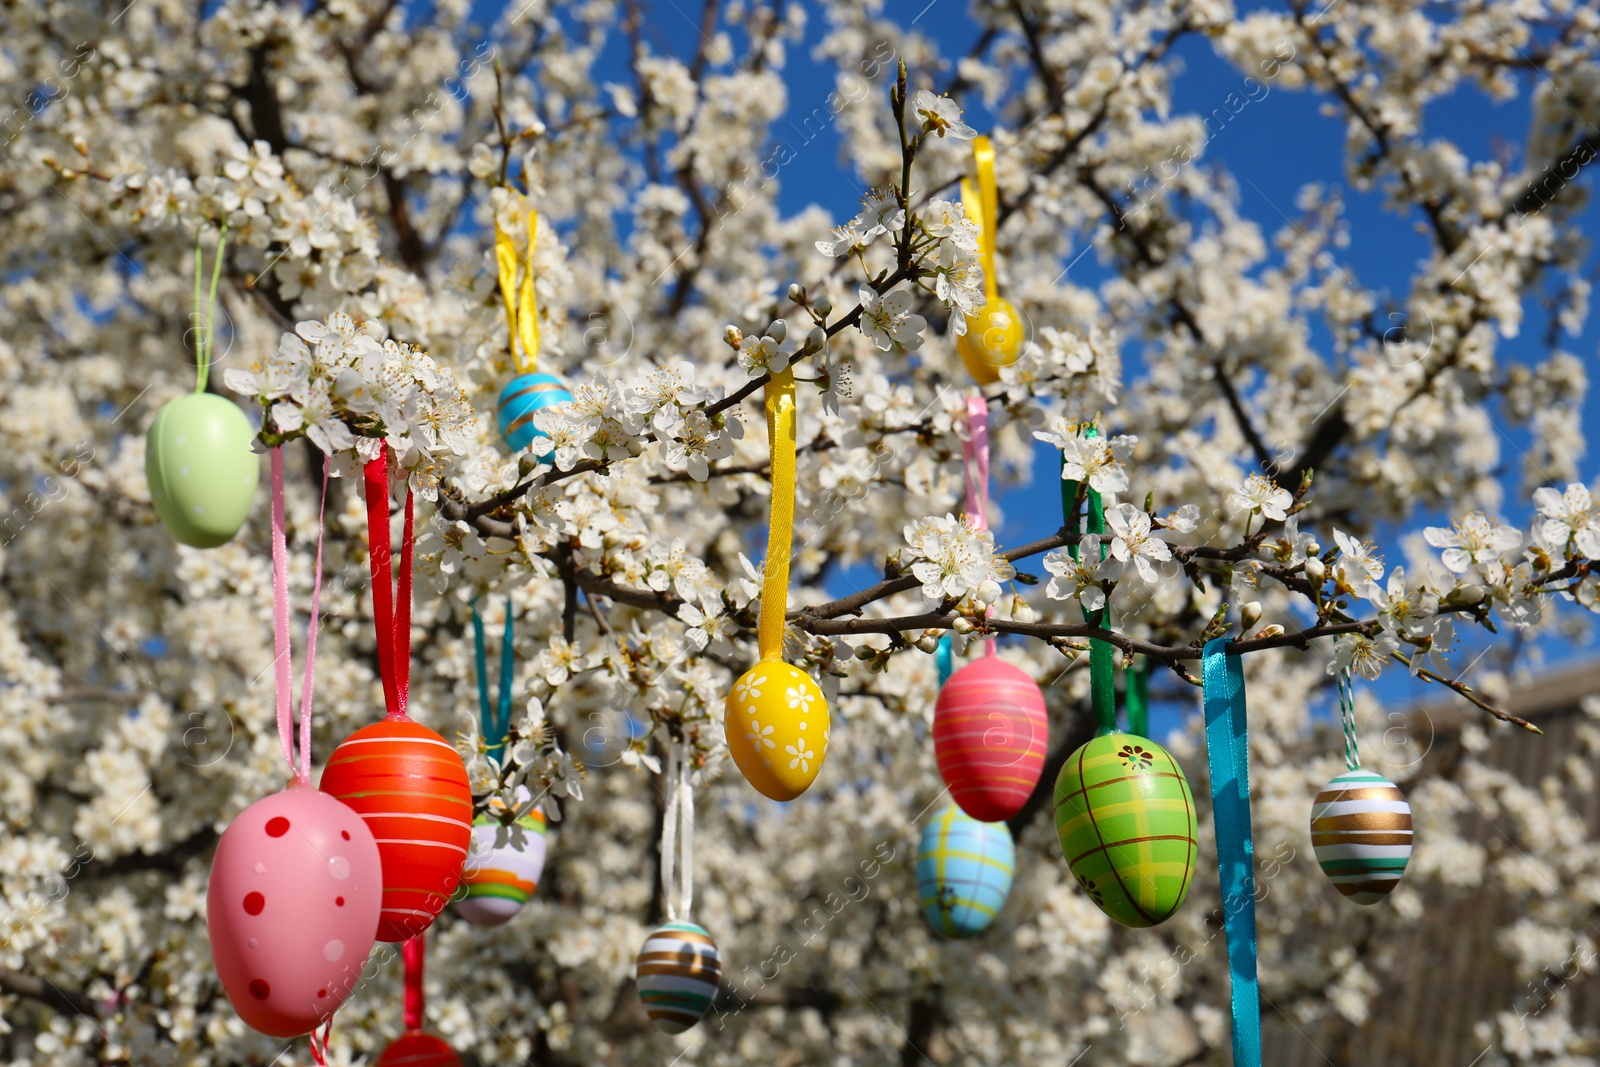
964, 870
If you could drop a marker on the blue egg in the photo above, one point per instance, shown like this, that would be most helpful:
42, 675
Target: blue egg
522, 397
964, 870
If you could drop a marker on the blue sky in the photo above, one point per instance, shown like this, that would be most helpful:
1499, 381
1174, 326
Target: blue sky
1276, 145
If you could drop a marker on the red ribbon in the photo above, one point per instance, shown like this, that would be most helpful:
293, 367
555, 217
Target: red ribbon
412, 952
393, 626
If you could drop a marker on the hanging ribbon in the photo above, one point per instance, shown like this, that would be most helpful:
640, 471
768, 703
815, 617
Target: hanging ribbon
1139, 699
495, 720
412, 953
1347, 719
282, 652
982, 203
1228, 752
319, 1043
944, 658
975, 471
1102, 667
780, 527
677, 835
206, 324
522, 316
391, 614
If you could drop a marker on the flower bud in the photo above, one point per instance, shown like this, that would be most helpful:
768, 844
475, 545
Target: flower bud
1313, 549
1021, 610
1249, 615
929, 642
1269, 631
962, 625
732, 335
823, 305
817, 339
988, 592
1316, 571
1466, 594
778, 330
797, 293
865, 652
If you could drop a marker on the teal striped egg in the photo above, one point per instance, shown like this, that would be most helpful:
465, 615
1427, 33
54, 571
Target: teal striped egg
964, 871
523, 397
678, 973
1361, 833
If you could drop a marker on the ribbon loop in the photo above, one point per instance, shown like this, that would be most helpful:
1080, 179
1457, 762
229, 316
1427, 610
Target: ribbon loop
1102, 665
494, 719
282, 650
981, 199
677, 834
780, 528
1347, 719
1228, 753
392, 620
522, 315
413, 952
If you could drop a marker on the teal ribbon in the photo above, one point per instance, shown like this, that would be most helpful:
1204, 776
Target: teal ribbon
1228, 751
1139, 699
495, 721
1102, 678
944, 657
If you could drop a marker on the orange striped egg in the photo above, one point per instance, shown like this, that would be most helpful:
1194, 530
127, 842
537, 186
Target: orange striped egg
417, 1049
990, 732
410, 786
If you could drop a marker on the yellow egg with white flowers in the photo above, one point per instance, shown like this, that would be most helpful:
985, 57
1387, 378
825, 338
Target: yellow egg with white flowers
777, 728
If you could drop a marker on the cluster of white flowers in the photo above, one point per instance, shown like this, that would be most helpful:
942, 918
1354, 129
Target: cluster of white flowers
350, 394
954, 559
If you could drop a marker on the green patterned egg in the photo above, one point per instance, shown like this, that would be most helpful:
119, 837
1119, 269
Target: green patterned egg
1126, 821
201, 471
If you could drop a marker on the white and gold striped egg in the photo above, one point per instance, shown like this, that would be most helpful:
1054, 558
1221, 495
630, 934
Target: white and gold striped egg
1361, 833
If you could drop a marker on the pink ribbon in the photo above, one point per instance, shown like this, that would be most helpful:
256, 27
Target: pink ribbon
975, 469
282, 652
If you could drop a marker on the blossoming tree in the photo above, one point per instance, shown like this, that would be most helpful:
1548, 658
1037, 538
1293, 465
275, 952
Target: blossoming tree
362, 156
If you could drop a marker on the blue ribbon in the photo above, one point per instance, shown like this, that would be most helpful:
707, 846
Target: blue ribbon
495, 721
1228, 750
944, 657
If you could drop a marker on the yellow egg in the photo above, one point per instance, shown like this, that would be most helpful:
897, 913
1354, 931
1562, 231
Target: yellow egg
994, 339
777, 727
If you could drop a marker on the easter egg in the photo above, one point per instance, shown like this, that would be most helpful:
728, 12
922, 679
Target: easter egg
677, 974
964, 870
201, 471
990, 732
995, 338
777, 728
292, 909
498, 880
1126, 821
1361, 833
410, 786
522, 398
417, 1049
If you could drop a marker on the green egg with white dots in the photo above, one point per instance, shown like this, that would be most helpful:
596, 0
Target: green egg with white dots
201, 470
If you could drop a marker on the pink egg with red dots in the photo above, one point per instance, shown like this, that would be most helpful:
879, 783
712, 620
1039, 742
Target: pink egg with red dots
292, 909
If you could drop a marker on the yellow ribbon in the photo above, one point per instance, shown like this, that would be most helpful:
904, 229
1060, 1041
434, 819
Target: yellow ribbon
983, 208
522, 313
780, 528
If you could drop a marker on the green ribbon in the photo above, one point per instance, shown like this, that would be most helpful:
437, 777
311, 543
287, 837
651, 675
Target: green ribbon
1139, 699
1102, 677
496, 720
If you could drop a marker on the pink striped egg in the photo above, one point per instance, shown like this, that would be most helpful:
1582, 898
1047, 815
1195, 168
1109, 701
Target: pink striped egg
990, 732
